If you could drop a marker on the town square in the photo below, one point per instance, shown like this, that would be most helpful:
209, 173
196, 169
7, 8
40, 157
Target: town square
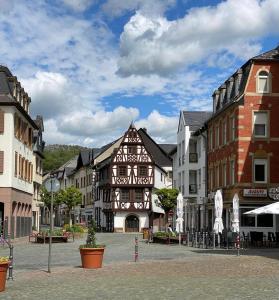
139, 149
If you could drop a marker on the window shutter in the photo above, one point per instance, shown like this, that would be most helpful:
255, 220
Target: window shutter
15, 164
1, 121
1, 162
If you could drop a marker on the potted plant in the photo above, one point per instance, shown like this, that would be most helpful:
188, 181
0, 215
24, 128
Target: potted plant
4, 265
91, 253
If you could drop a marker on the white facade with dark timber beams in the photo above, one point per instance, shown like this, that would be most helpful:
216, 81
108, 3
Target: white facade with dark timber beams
124, 182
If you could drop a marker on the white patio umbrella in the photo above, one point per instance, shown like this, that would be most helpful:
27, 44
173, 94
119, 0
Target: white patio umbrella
267, 209
179, 213
235, 221
218, 223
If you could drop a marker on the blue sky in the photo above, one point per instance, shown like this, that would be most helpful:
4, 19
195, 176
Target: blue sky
92, 66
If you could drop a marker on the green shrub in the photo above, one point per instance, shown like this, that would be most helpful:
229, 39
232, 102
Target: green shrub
76, 228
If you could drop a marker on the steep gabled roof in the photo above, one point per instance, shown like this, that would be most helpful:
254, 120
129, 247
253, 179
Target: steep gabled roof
159, 156
85, 157
168, 148
196, 119
269, 55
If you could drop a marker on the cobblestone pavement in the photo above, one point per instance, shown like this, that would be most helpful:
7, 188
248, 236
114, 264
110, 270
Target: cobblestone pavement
163, 272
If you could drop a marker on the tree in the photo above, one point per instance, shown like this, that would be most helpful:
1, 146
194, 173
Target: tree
168, 199
71, 197
46, 198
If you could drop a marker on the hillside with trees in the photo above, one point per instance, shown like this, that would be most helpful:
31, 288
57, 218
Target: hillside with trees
57, 155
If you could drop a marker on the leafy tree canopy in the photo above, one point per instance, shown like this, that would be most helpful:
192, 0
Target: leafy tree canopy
71, 197
46, 198
168, 198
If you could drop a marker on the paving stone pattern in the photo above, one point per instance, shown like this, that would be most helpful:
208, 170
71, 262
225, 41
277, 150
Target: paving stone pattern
162, 272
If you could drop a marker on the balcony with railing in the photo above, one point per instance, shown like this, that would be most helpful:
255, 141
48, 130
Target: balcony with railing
193, 157
192, 188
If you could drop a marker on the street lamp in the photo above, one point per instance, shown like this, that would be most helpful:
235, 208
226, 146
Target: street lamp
52, 185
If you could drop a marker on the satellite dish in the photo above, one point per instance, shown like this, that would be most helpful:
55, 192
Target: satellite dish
52, 185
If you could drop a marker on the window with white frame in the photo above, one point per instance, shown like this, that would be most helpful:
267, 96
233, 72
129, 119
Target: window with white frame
183, 152
212, 178
217, 176
210, 139
216, 136
203, 175
260, 170
225, 133
260, 123
232, 125
263, 82
232, 171
224, 175
199, 178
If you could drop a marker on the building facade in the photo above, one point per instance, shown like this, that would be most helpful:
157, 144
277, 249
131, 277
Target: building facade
16, 157
124, 181
189, 163
38, 156
243, 141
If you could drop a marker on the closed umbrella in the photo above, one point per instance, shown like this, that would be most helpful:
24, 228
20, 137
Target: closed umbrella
179, 213
218, 223
235, 221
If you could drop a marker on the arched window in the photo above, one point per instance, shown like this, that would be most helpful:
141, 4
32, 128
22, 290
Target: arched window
263, 82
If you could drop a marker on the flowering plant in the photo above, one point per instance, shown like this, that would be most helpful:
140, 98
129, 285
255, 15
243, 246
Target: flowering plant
4, 259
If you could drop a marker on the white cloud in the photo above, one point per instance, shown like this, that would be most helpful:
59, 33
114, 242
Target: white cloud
117, 8
79, 5
160, 127
88, 124
154, 45
49, 93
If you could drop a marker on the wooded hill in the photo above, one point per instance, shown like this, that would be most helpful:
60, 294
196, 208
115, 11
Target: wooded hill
56, 155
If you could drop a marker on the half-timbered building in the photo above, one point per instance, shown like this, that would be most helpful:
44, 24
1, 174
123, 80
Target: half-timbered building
125, 179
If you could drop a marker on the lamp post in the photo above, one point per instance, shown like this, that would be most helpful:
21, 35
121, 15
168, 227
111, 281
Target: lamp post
52, 185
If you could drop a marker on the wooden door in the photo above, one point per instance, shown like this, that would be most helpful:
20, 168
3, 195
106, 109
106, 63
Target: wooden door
132, 224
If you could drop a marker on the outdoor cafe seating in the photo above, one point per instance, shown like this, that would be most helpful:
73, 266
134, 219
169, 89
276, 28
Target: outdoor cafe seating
228, 239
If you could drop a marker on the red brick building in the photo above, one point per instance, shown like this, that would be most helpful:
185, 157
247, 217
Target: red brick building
243, 141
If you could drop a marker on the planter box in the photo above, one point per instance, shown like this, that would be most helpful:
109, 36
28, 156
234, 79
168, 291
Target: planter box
55, 239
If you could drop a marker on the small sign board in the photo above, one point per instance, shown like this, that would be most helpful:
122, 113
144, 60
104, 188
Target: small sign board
273, 193
255, 193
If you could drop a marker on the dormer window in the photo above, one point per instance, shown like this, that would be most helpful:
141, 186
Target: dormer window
263, 85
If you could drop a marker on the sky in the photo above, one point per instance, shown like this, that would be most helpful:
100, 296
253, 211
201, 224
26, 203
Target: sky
92, 67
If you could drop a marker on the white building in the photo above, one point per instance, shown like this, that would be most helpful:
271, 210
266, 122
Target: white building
16, 157
38, 148
189, 163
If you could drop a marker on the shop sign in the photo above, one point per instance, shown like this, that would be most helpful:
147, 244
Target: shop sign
255, 193
273, 193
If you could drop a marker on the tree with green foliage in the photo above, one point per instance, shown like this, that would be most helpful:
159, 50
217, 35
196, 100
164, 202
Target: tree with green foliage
168, 198
46, 198
71, 197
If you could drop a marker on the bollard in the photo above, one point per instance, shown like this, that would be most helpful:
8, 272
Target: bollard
214, 240
11, 258
203, 238
136, 249
188, 236
238, 243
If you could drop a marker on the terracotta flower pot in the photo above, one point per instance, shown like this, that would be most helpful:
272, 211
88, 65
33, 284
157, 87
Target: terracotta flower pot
3, 275
91, 258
